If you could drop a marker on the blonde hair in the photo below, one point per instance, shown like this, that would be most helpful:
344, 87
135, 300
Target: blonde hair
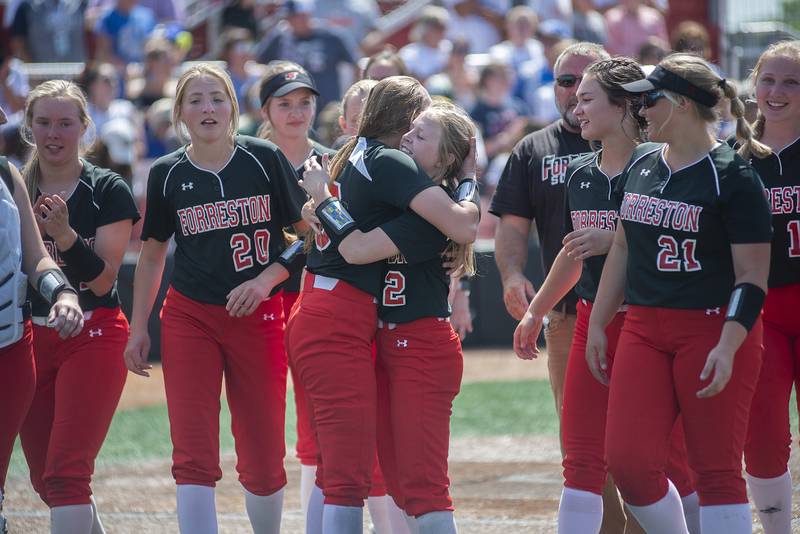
273, 69
32, 173
457, 130
196, 71
359, 89
699, 73
784, 49
389, 109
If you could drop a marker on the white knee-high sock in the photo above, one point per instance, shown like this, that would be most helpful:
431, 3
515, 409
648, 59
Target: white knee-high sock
387, 517
97, 525
308, 475
437, 523
338, 519
727, 518
691, 512
72, 519
579, 512
316, 502
197, 509
264, 512
773, 498
664, 516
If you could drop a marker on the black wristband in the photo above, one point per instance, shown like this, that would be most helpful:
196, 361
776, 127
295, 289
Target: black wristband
293, 258
335, 219
745, 304
467, 190
83, 261
52, 283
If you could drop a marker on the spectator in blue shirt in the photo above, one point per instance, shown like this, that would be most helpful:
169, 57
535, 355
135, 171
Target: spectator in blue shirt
122, 32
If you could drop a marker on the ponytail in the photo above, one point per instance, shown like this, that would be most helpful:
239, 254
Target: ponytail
751, 146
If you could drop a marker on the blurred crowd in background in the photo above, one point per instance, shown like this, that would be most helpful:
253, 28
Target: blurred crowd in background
492, 57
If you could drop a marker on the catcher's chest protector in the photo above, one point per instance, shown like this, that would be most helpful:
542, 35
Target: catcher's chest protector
12, 280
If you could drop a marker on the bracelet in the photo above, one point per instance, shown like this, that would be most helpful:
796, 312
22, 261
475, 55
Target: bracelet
83, 261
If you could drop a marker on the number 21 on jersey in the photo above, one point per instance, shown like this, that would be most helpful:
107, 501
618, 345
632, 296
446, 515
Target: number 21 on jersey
674, 257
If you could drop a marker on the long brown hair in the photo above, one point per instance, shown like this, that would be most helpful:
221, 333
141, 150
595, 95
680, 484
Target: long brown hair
457, 130
389, 109
700, 74
785, 49
32, 173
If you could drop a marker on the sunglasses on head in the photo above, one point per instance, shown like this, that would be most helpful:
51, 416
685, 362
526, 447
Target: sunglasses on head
568, 80
651, 98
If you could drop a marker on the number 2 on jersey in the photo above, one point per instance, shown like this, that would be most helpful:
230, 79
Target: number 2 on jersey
242, 247
393, 290
793, 227
669, 256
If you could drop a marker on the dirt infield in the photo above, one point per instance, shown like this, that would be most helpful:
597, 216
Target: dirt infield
500, 484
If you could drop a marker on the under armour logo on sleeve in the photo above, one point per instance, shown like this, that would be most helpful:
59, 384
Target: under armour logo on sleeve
402, 343
187, 185
645, 172
585, 185
96, 333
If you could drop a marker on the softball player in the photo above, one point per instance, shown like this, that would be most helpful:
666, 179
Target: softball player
24, 259
607, 113
332, 357
776, 77
419, 360
226, 199
695, 234
85, 214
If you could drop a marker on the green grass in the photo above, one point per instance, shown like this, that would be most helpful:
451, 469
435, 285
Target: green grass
484, 409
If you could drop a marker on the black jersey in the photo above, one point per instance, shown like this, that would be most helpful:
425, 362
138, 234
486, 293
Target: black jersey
592, 202
415, 284
781, 175
680, 226
532, 186
228, 225
101, 197
293, 283
376, 185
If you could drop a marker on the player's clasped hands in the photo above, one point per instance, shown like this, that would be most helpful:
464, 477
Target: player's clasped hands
526, 334
587, 242
596, 346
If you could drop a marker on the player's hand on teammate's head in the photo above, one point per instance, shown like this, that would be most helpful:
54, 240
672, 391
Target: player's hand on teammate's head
136, 352
526, 335
720, 364
66, 316
596, 345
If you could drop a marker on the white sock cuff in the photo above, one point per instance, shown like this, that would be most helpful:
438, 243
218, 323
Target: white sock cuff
756, 481
575, 500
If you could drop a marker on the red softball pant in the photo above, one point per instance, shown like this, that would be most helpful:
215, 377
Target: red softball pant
17, 387
330, 337
306, 448
659, 357
769, 437
583, 416
200, 346
78, 385
419, 371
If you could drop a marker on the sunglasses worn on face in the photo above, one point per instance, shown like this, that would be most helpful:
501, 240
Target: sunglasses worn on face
651, 98
568, 80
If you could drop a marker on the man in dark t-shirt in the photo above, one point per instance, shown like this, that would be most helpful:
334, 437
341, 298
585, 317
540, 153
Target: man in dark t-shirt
530, 189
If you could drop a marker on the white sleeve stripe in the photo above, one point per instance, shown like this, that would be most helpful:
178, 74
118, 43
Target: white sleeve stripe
256, 160
91, 189
714, 168
180, 159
